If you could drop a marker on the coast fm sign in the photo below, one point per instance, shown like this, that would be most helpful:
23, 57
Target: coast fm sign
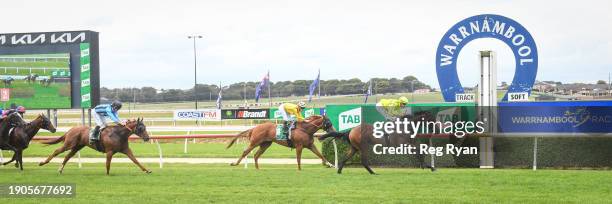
200, 114
487, 26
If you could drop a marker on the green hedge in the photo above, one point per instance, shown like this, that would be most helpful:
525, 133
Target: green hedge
553, 152
406, 160
573, 152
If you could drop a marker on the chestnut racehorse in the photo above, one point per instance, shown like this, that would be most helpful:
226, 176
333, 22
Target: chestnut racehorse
263, 135
113, 138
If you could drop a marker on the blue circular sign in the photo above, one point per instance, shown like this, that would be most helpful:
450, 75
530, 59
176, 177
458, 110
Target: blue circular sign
486, 26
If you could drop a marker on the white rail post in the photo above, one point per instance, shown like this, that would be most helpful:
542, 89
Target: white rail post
535, 153
433, 160
161, 159
79, 159
487, 101
1, 158
185, 149
335, 153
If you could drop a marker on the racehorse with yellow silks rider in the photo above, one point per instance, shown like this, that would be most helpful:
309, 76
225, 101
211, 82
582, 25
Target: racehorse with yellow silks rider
300, 134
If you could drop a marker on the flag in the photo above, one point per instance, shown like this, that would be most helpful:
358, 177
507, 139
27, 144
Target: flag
219, 97
313, 86
261, 86
368, 92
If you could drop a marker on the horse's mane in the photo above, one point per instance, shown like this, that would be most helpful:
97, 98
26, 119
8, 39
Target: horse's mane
312, 117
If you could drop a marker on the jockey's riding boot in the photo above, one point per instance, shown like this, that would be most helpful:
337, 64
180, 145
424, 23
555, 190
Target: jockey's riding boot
96, 133
285, 127
287, 131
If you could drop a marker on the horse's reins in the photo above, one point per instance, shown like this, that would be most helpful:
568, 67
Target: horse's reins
130, 129
318, 126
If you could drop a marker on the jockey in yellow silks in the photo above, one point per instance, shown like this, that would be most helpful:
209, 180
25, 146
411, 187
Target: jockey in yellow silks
291, 113
393, 108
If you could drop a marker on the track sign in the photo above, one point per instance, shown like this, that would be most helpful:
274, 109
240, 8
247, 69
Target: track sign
465, 98
5, 94
349, 119
520, 96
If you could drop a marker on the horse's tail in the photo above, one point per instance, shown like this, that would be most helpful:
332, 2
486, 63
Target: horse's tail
343, 135
54, 141
242, 134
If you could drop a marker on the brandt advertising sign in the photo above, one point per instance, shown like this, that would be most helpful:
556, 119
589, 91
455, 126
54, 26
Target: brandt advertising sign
200, 114
246, 114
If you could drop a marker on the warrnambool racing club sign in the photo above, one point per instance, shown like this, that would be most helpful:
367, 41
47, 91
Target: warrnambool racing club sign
499, 27
200, 114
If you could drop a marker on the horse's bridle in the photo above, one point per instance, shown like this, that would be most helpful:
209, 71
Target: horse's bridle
130, 129
323, 124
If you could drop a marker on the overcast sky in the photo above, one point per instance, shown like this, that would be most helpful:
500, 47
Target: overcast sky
144, 43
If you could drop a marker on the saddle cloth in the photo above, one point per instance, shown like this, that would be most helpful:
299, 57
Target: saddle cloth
97, 143
280, 134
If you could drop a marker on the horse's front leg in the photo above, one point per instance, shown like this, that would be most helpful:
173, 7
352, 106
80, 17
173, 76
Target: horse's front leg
19, 157
109, 157
130, 155
314, 150
12, 159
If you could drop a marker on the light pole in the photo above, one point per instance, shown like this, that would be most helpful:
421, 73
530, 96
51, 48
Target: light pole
195, 69
412, 87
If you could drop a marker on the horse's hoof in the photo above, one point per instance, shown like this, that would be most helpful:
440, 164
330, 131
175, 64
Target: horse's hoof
433, 169
148, 171
233, 164
41, 163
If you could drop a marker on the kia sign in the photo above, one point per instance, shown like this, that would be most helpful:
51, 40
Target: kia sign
200, 114
82, 48
46, 38
246, 114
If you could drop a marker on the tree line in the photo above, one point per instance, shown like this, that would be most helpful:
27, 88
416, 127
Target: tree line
241, 90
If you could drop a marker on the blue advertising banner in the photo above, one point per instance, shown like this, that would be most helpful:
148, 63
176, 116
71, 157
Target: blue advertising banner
555, 117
